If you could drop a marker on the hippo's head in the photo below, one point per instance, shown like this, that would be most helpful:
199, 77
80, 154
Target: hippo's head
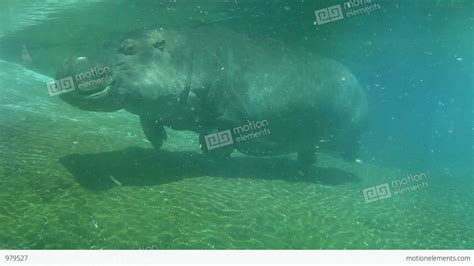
93, 86
139, 73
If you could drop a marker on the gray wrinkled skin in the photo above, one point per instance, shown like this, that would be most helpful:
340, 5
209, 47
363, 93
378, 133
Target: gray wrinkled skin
210, 79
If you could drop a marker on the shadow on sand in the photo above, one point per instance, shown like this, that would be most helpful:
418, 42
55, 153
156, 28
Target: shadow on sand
146, 167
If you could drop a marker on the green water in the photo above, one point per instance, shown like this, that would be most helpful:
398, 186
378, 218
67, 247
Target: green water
80, 180
57, 193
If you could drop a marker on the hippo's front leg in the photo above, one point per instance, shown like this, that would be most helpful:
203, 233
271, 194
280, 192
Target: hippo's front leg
154, 131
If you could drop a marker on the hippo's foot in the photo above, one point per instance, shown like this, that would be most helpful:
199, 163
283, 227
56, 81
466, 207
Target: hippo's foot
306, 158
217, 153
154, 131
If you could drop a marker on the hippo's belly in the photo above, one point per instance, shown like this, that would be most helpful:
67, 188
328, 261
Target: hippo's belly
294, 102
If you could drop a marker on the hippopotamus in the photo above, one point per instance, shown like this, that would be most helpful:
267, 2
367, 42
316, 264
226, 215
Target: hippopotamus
255, 95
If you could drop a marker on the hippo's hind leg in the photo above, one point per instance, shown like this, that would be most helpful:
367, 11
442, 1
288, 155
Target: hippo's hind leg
154, 131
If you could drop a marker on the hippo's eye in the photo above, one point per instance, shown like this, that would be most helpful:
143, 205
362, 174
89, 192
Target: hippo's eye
160, 45
128, 47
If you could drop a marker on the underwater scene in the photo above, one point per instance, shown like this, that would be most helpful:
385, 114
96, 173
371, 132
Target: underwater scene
236, 124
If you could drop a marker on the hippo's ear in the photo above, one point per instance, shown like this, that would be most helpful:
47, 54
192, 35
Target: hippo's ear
128, 47
160, 45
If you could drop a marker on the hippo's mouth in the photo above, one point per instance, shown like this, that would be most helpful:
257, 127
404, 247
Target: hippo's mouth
100, 94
